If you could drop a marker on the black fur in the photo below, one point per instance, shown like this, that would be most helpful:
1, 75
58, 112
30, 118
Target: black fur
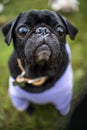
78, 119
26, 48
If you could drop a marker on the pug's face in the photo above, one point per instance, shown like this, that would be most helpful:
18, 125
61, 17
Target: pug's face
39, 37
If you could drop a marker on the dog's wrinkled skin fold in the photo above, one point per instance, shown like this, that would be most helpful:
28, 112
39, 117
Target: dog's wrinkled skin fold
39, 39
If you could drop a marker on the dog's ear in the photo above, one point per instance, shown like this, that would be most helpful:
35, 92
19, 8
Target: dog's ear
71, 29
8, 29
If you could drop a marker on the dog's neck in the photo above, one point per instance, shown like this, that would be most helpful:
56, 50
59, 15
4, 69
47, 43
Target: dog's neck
21, 79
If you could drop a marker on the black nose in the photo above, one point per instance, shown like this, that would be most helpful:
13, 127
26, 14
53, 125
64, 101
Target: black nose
42, 31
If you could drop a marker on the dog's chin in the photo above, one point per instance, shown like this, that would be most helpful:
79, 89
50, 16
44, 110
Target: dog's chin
40, 69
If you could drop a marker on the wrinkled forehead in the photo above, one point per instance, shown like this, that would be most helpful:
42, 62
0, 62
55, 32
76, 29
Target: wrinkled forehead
35, 17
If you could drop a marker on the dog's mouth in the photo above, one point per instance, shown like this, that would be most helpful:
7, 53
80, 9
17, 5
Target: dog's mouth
42, 62
42, 56
42, 59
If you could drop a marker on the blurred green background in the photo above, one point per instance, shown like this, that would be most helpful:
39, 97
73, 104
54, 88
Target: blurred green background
44, 117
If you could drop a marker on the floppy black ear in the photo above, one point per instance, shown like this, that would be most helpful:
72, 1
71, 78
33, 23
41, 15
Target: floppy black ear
71, 29
8, 29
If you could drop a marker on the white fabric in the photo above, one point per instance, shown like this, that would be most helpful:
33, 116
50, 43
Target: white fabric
64, 5
60, 94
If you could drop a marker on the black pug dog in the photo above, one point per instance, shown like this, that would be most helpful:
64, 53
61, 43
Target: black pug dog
40, 65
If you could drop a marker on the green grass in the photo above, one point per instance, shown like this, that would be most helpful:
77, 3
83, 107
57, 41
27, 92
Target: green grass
44, 117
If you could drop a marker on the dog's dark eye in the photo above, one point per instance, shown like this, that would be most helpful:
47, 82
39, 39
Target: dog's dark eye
22, 31
61, 31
